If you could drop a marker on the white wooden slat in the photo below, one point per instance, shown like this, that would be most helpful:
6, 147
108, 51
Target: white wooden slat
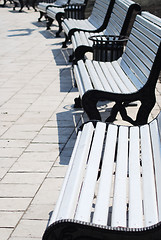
109, 78
83, 39
130, 74
140, 55
134, 68
135, 190
119, 209
71, 193
156, 143
95, 78
143, 47
143, 33
105, 181
136, 61
149, 190
143, 38
151, 17
84, 74
84, 207
103, 79
151, 26
78, 80
117, 78
130, 86
58, 203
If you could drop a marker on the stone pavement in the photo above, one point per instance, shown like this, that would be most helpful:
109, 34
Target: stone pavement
38, 124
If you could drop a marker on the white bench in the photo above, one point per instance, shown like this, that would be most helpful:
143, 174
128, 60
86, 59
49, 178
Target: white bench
97, 21
43, 5
112, 188
59, 13
121, 17
131, 78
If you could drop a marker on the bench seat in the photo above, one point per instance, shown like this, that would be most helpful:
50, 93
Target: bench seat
112, 188
131, 78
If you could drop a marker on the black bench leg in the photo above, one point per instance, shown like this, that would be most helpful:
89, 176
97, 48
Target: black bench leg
41, 15
49, 23
21, 5
59, 18
89, 104
116, 108
78, 102
64, 44
71, 57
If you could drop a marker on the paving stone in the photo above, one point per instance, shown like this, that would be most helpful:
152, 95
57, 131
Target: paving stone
18, 190
25, 178
5, 233
9, 219
14, 204
30, 229
40, 167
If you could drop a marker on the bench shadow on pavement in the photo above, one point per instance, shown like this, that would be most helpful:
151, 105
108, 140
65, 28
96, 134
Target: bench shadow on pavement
68, 122
20, 32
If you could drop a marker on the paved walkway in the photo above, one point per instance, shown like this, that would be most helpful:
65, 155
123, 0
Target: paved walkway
37, 122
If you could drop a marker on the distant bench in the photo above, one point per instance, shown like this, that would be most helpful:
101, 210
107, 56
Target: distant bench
112, 188
72, 9
96, 22
131, 78
119, 20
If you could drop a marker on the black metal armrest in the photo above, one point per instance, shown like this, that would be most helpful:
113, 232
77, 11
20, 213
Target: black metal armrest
108, 47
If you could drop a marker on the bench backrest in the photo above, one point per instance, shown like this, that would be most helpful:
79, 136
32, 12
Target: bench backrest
142, 56
77, 1
101, 12
120, 17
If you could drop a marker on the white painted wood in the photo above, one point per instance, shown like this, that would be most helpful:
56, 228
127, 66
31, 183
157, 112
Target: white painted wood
134, 68
105, 181
119, 209
71, 193
94, 76
103, 78
137, 83
135, 186
109, 78
140, 55
130, 86
156, 144
117, 79
142, 46
83, 210
78, 80
57, 207
87, 83
149, 188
